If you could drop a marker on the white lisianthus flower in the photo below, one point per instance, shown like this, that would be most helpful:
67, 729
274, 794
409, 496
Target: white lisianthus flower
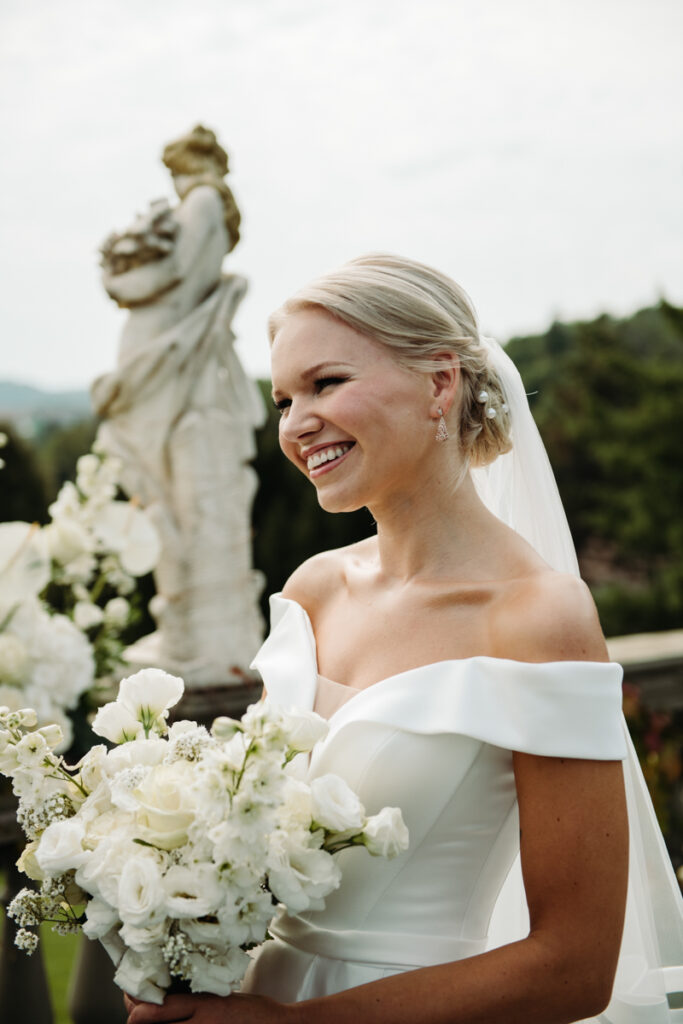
61, 847
299, 877
386, 834
124, 528
191, 892
141, 895
117, 612
116, 723
87, 615
141, 938
143, 975
335, 806
150, 693
14, 660
100, 918
304, 729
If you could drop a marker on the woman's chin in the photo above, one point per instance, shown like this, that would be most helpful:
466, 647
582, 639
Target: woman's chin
331, 502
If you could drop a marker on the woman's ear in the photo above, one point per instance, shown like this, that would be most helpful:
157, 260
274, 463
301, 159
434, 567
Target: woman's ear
444, 381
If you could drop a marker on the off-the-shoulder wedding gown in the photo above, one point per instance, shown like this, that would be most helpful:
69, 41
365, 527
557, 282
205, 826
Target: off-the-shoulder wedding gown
437, 742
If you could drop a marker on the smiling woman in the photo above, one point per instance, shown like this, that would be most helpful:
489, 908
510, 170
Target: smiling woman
471, 689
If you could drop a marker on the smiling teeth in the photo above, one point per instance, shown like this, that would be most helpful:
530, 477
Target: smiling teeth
326, 455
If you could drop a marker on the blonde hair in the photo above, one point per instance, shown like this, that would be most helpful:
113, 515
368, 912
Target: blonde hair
419, 314
199, 155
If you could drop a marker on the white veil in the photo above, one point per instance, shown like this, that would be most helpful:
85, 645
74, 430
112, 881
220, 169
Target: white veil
519, 487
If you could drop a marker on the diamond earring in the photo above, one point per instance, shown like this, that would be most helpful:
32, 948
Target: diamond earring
442, 429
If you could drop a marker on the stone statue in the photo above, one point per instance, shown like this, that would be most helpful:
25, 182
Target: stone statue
180, 413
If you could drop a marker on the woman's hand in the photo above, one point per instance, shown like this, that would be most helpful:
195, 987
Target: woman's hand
207, 1009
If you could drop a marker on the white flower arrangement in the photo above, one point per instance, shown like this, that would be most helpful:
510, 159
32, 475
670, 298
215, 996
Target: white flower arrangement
179, 842
62, 592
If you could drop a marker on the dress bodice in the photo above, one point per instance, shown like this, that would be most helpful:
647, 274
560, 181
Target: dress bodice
437, 742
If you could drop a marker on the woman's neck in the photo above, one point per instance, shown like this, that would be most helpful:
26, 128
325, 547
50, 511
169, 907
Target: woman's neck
432, 533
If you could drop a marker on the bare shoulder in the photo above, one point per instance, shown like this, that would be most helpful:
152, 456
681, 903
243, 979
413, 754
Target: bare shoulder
318, 579
549, 616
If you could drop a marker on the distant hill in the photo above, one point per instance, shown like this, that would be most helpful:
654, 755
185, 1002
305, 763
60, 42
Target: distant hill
28, 408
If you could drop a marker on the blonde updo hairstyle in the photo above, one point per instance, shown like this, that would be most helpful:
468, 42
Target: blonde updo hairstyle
419, 314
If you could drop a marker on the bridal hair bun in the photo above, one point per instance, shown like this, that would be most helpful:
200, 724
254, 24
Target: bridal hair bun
419, 314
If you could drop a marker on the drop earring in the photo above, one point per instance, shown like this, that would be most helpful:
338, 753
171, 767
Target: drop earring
442, 429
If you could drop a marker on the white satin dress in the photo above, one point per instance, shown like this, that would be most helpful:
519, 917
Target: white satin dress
437, 742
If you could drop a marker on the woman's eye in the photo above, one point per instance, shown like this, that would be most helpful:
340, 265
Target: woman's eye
324, 382
281, 404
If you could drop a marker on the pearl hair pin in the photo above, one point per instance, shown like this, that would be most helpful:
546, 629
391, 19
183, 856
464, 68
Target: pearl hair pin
490, 412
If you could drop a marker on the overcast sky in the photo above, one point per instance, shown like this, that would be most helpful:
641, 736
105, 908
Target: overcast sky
533, 149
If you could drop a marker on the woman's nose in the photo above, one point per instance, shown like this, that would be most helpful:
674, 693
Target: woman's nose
300, 421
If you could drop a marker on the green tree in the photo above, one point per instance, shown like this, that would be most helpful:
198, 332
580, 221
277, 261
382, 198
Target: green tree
22, 490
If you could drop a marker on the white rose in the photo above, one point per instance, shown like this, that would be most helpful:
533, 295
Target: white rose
385, 834
221, 974
61, 847
143, 975
304, 729
141, 896
14, 660
101, 917
87, 615
166, 807
117, 723
335, 806
150, 692
117, 612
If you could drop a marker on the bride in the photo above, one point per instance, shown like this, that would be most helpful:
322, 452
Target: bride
462, 666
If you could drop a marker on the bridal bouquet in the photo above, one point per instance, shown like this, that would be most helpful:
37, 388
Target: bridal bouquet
174, 847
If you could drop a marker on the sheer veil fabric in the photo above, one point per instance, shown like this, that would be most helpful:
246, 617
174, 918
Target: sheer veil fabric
519, 487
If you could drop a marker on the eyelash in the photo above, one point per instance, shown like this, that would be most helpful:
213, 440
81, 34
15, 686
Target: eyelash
319, 385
